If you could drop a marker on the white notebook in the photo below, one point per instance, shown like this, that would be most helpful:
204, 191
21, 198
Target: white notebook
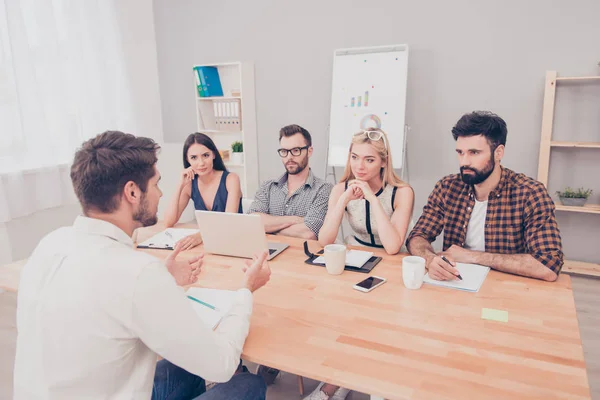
204, 299
354, 258
167, 238
473, 276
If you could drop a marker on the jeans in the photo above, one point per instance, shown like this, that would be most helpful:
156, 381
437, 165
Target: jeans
174, 383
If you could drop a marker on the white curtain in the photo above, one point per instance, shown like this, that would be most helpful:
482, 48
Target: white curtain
63, 79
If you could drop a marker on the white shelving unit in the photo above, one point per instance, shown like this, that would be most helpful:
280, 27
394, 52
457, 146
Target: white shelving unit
235, 77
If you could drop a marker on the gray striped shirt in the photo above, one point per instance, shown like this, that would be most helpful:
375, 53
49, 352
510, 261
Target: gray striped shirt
308, 201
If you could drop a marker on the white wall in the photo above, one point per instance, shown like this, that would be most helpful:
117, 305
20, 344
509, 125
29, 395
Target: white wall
465, 55
136, 21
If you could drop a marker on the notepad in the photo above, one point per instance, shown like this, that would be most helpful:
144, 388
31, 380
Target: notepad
167, 238
222, 300
473, 276
354, 258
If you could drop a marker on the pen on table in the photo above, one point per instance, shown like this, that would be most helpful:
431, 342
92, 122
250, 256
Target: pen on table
445, 259
203, 303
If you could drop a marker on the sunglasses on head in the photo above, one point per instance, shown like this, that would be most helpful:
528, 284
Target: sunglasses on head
373, 135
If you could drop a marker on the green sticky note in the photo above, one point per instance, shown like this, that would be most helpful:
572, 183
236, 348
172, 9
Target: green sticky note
494, 315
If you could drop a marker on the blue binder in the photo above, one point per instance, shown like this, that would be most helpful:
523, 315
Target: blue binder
210, 84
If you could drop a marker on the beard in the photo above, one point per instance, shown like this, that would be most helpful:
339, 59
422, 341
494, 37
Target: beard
294, 168
478, 176
143, 214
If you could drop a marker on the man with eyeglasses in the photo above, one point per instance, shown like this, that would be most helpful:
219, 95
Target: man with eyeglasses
295, 204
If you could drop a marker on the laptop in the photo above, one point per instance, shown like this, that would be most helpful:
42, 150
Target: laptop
237, 235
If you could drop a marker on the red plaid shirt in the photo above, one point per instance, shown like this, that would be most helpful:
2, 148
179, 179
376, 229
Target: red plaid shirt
520, 217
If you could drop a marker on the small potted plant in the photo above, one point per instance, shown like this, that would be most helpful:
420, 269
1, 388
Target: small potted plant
572, 197
237, 153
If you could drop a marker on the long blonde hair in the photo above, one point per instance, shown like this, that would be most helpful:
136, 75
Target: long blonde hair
388, 176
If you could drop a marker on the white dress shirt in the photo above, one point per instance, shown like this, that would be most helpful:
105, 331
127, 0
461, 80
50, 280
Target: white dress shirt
93, 314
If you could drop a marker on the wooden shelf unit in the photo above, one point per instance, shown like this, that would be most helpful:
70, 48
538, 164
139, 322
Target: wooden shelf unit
588, 208
546, 145
579, 145
577, 78
581, 268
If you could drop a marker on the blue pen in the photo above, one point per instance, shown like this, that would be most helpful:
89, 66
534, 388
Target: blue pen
203, 303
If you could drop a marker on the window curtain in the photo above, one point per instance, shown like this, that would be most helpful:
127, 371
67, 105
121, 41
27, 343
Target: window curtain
63, 79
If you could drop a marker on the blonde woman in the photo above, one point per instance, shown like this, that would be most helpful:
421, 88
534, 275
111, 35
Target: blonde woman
376, 202
378, 206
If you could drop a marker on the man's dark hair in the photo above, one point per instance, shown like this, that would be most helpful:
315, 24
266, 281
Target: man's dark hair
483, 123
104, 164
291, 130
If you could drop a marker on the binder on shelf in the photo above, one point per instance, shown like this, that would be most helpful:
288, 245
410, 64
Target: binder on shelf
199, 84
227, 115
216, 112
238, 115
209, 81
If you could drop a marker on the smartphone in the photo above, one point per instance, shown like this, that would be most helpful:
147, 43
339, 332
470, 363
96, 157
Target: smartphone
369, 284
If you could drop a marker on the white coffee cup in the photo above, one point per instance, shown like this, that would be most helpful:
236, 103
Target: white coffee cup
335, 258
413, 271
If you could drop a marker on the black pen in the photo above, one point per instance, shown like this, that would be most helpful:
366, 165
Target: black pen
445, 259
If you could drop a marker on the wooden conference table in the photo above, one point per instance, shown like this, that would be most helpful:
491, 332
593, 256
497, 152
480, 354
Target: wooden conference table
397, 343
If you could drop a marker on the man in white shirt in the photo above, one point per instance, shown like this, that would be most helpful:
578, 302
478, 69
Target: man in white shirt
93, 313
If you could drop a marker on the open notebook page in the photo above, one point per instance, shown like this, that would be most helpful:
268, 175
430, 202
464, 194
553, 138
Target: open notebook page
222, 300
473, 276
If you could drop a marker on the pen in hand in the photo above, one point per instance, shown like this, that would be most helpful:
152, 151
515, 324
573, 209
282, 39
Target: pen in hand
448, 261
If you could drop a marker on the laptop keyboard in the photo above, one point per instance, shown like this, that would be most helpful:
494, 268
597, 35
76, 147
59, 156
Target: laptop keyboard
271, 251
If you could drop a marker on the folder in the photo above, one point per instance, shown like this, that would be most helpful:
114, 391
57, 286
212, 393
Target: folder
366, 267
199, 87
210, 81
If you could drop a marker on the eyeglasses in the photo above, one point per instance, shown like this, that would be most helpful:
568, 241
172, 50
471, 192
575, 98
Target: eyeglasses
296, 151
373, 135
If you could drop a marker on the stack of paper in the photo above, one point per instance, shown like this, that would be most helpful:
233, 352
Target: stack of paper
211, 305
354, 258
473, 276
167, 238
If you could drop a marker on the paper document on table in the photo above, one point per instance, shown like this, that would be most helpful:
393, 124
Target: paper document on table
473, 276
167, 238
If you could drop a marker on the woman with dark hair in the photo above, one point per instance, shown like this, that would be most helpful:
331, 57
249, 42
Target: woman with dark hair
206, 181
